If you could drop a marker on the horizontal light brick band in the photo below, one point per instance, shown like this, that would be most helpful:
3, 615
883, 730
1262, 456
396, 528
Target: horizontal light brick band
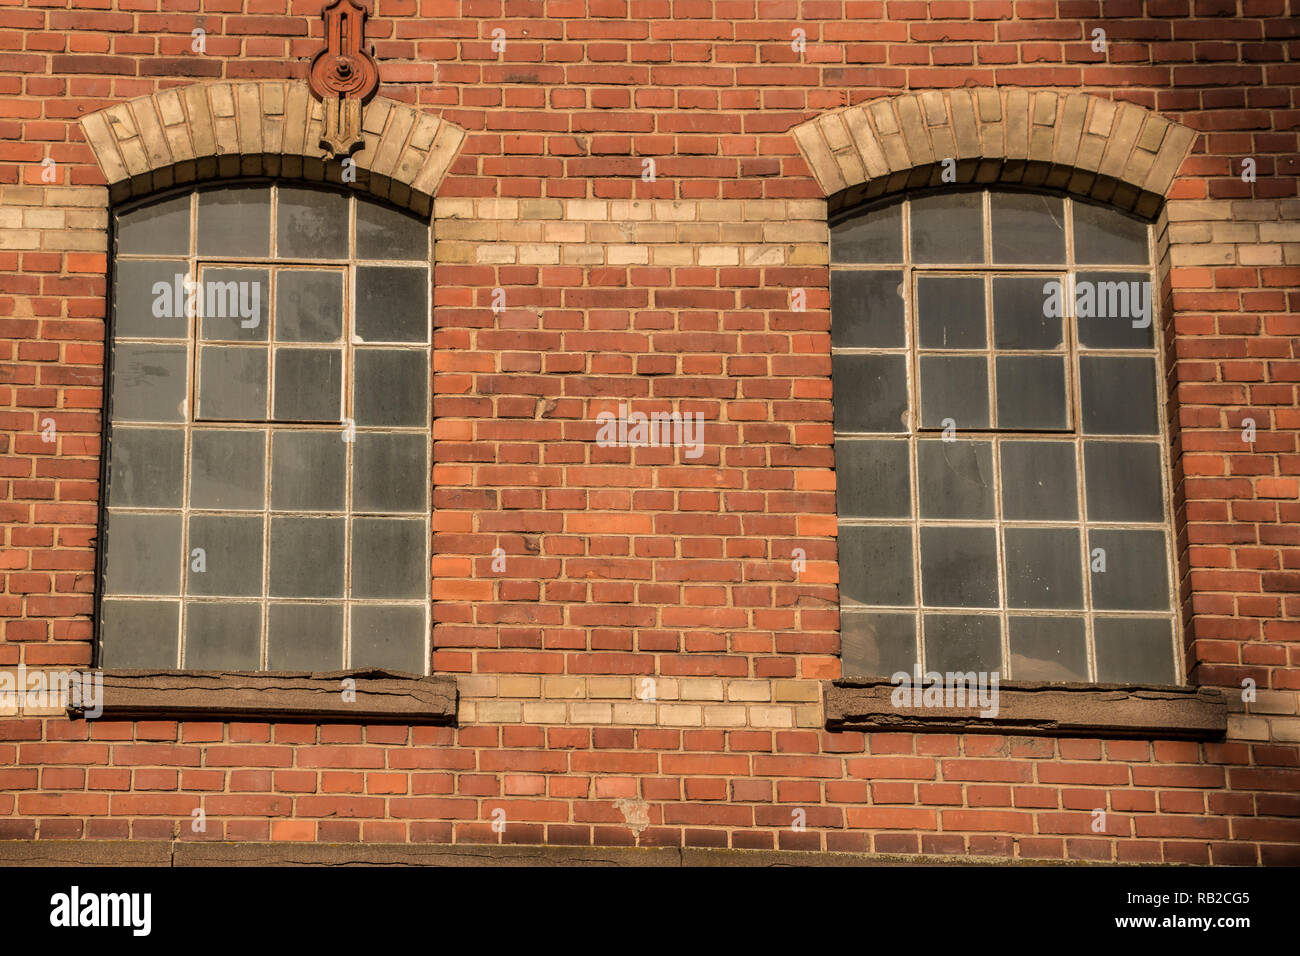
1115, 152
210, 130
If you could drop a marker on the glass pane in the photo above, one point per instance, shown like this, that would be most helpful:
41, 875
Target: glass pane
235, 221
1051, 649
961, 643
867, 310
307, 557
1123, 481
950, 312
224, 636
1118, 395
231, 560
391, 638
876, 645
955, 478
385, 233
1136, 575
235, 305
146, 467
389, 472
1020, 312
311, 224
392, 304
1134, 651
1027, 227
308, 305
954, 391
948, 228
388, 558
871, 235
160, 228
1044, 568
1105, 236
308, 471
139, 634
150, 300
1114, 310
876, 565
227, 470
1031, 392
143, 554
308, 384
1039, 481
391, 387
959, 567
872, 479
149, 383
232, 383
870, 392
305, 637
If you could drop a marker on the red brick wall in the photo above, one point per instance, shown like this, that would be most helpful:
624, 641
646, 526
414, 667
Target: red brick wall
630, 562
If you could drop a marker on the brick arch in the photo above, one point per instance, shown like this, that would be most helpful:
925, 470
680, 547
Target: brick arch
255, 128
1115, 152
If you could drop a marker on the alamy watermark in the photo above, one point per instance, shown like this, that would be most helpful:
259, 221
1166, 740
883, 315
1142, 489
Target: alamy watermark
1120, 299
655, 430
212, 299
952, 689
82, 691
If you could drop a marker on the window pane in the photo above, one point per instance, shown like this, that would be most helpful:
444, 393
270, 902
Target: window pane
1105, 236
959, 567
1027, 227
231, 559
384, 233
391, 638
1039, 481
876, 564
954, 388
955, 478
1031, 392
150, 300
1134, 651
232, 383
223, 636
870, 392
1048, 649
307, 557
139, 634
874, 645
235, 221
1123, 481
308, 305
1118, 394
1044, 568
961, 643
867, 310
308, 385
873, 235
950, 312
304, 637
948, 228
143, 553
1136, 575
388, 558
873, 479
308, 471
235, 305
391, 387
1114, 310
311, 224
146, 467
392, 304
160, 228
390, 472
227, 469
149, 383
1020, 319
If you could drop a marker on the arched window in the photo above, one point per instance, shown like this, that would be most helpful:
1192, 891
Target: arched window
1001, 467
267, 467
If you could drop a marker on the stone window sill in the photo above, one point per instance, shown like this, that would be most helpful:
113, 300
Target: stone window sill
380, 696
1033, 709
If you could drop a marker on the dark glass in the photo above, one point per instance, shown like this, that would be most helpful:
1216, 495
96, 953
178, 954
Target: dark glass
1039, 482
308, 470
307, 557
388, 558
870, 235
227, 469
955, 478
390, 387
1123, 481
1031, 392
947, 228
876, 564
235, 221
872, 479
390, 472
158, 229
389, 637
147, 467
1105, 236
232, 383
223, 636
962, 643
1134, 650
1027, 227
232, 548
308, 384
139, 634
1118, 395
870, 392
236, 305
308, 305
1114, 310
1020, 307
392, 304
959, 567
950, 312
145, 299
311, 224
385, 233
149, 383
143, 554
1053, 649
304, 637
1137, 574
1043, 568
877, 645
867, 310
954, 387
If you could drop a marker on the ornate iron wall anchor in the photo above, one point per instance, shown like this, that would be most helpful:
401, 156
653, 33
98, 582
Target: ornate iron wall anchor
343, 76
